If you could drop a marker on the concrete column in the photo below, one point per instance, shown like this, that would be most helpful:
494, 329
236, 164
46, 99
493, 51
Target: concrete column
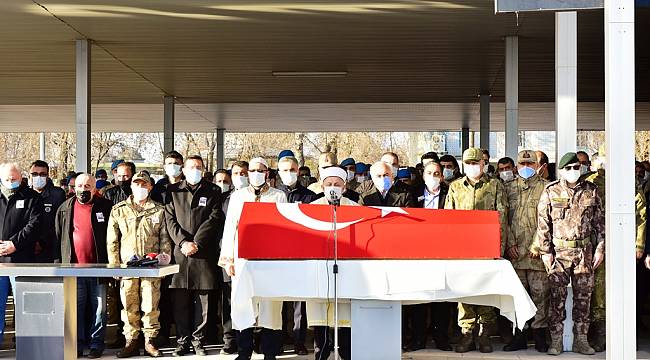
619, 184
512, 96
220, 148
82, 105
168, 126
484, 101
566, 79
41, 147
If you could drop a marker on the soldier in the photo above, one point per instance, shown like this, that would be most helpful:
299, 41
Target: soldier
597, 328
477, 191
137, 227
523, 196
571, 223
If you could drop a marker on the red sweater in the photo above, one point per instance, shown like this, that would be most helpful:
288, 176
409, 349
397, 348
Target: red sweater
82, 234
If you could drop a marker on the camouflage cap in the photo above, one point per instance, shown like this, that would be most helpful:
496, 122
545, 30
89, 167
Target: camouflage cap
568, 158
142, 175
473, 154
526, 156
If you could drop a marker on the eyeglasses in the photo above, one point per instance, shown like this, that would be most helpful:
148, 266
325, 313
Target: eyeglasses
38, 174
257, 171
574, 167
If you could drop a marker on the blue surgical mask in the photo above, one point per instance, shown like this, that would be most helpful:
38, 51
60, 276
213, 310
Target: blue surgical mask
382, 183
11, 185
526, 172
193, 176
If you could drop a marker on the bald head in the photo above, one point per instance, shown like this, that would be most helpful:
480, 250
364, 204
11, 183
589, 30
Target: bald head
85, 182
381, 169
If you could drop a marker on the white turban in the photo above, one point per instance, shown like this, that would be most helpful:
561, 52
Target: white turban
333, 171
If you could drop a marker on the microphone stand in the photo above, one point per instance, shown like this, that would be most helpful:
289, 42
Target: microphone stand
336, 293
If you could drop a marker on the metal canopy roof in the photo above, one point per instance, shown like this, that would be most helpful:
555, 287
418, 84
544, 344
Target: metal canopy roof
410, 64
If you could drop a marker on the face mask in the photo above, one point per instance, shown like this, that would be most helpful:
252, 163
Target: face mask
172, 170
224, 187
448, 174
506, 175
485, 169
83, 196
432, 182
289, 178
473, 171
361, 179
124, 184
139, 193
646, 175
257, 179
584, 169
39, 182
526, 172
240, 182
350, 175
333, 194
571, 176
382, 183
193, 176
11, 185
395, 170
304, 180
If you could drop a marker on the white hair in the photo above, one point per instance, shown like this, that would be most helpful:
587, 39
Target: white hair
9, 167
380, 165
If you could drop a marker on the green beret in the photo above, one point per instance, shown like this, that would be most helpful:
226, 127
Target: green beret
568, 158
473, 154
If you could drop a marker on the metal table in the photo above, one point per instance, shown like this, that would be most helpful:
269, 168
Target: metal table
46, 304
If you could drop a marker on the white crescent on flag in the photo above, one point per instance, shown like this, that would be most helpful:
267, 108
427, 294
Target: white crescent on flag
292, 212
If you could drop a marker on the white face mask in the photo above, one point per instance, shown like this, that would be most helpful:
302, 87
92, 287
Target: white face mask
395, 171
571, 176
289, 178
361, 178
239, 182
193, 176
172, 170
333, 194
224, 187
506, 175
448, 174
584, 169
473, 171
139, 193
257, 179
39, 182
350, 175
432, 182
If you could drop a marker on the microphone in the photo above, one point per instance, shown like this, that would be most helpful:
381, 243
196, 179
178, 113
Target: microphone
333, 195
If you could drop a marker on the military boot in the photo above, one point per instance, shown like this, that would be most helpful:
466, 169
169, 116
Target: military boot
518, 342
151, 349
484, 343
581, 345
556, 345
131, 349
598, 336
466, 343
540, 340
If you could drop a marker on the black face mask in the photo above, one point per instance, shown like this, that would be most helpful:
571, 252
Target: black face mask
84, 196
124, 184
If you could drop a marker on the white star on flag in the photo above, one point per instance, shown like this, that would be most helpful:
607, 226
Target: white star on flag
385, 210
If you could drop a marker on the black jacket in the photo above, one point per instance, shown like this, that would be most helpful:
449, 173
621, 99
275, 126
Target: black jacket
399, 195
117, 194
196, 217
52, 197
299, 194
21, 219
64, 245
444, 188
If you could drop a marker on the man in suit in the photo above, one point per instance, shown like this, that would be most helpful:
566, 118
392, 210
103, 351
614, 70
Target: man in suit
385, 190
194, 219
430, 195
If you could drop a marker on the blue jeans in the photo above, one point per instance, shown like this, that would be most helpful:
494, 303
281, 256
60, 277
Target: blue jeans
5, 281
91, 303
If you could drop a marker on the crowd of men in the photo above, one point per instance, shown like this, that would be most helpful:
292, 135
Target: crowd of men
552, 231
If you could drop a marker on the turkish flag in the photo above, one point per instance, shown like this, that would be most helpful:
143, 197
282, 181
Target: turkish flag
305, 231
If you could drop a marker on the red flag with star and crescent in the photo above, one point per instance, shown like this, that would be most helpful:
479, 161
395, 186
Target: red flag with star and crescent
306, 231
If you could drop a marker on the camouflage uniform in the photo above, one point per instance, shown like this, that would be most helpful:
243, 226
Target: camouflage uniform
138, 231
523, 198
571, 222
487, 194
598, 296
